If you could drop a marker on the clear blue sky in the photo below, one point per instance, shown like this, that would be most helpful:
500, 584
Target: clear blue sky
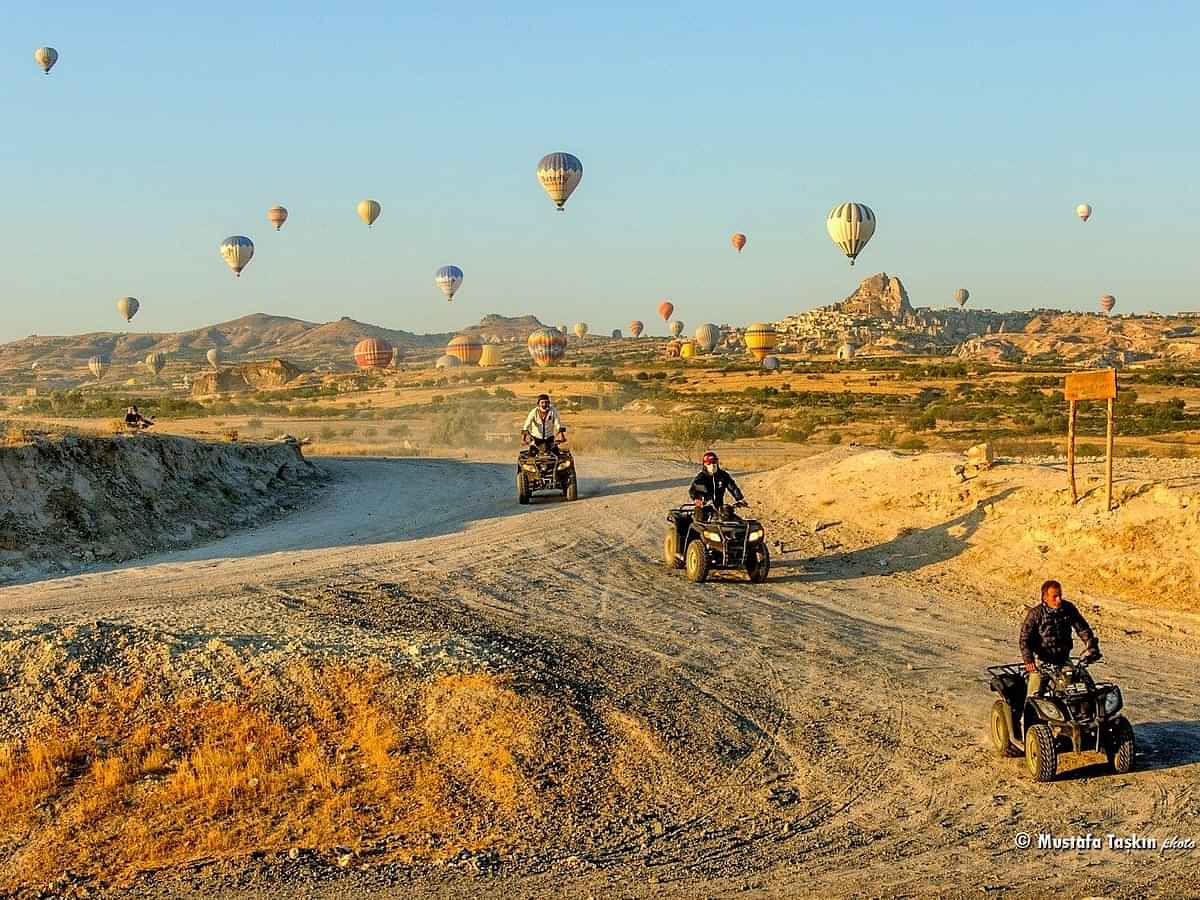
166, 127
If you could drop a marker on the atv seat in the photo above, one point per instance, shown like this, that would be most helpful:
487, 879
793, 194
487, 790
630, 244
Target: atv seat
1011, 687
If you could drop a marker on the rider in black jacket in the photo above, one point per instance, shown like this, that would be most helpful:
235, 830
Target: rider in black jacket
1046, 633
710, 485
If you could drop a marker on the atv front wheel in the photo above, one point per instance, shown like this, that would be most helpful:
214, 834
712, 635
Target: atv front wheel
1002, 730
696, 562
572, 491
671, 548
1041, 758
1120, 750
522, 488
759, 566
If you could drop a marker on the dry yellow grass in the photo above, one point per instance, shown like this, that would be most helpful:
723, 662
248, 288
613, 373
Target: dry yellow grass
131, 783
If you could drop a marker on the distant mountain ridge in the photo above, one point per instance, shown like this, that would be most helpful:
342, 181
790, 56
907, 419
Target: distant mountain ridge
257, 336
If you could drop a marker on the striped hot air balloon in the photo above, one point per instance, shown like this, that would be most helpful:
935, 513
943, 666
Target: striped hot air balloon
560, 174
128, 307
580, 329
547, 346
761, 340
1107, 302
372, 353
770, 363
467, 348
616, 333
850, 226
448, 279
446, 361
45, 57
665, 309
155, 362
489, 356
237, 251
961, 296
1084, 211
707, 337
277, 215
738, 241
369, 210
397, 357
97, 365
676, 328
636, 328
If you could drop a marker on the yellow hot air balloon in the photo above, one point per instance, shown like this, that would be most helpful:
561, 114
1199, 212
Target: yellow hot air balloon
687, 349
237, 251
155, 362
489, 356
580, 329
277, 215
368, 211
468, 348
46, 58
761, 340
128, 307
850, 226
560, 174
97, 365
1084, 211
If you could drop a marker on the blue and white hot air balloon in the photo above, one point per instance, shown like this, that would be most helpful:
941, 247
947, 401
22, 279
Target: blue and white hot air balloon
449, 279
560, 174
237, 251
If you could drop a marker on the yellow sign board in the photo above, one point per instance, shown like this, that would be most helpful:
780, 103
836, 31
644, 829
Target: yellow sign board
1098, 385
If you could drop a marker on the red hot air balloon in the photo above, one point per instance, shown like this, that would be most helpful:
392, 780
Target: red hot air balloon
665, 309
1107, 302
738, 241
372, 353
635, 328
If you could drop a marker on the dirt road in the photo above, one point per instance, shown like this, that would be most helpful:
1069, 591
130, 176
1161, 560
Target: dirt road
850, 757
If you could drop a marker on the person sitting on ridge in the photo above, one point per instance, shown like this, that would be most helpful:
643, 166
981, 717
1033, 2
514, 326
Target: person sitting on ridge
710, 484
135, 420
1046, 634
543, 427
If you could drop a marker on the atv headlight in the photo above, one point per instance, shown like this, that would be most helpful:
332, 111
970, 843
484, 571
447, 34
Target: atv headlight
712, 535
1112, 701
1048, 711
565, 464
756, 535
530, 467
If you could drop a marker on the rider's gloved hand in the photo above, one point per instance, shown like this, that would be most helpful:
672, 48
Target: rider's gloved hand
1030, 667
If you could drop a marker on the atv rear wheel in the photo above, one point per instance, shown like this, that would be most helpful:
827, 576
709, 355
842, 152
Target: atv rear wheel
1001, 730
1041, 757
522, 488
696, 562
671, 548
1120, 750
572, 490
759, 566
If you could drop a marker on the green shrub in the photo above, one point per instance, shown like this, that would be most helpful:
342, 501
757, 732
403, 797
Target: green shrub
911, 443
459, 427
834, 437
886, 436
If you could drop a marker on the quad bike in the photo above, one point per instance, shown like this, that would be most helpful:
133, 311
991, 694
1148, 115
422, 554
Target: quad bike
1071, 714
703, 540
546, 470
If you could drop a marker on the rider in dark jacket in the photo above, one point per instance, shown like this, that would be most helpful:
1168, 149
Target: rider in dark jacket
710, 485
1046, 633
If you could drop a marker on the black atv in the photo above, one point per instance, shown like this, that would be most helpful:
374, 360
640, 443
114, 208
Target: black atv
704, 540
1072, 714
546, 470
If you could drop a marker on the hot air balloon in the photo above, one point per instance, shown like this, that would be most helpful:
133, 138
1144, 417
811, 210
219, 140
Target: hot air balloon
397, 356
489, 356
446, 361
448, 280
97, 365
128, 307
466, 347
707, 337
1084, 211
214, 357
616, 333
738, 241
770, 363
560, 174
277, 215
580, 329
368, 211
665, 309
850, 226
687, 349
676, 328
372, 353
636, 328
760, 340
546, 346
156, 361
237, 251
46, 58
1107, 302
961, 296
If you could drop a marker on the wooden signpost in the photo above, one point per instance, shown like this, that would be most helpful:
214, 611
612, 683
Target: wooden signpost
1098, 385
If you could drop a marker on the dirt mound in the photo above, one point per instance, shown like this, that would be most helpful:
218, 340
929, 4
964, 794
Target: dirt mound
246, 377
88, 499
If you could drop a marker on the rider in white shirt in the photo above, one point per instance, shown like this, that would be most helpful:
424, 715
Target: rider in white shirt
543, 427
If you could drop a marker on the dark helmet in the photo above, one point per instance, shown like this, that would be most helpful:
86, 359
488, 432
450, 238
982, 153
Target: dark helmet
710, 457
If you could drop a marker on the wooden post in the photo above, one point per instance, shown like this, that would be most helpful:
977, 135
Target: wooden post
1109, 459
1071, 453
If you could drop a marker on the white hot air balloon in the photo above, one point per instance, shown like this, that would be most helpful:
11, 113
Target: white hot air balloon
850, 226
128, 307
214, 357
237, 251
448, 279
1084, 211
560, 174
46, 58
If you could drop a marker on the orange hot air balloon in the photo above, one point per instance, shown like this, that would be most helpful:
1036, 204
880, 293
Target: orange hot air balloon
761, 340
665, 309
372, 353
738, 241
635, 328
467, 348
547, 346
1107, 302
